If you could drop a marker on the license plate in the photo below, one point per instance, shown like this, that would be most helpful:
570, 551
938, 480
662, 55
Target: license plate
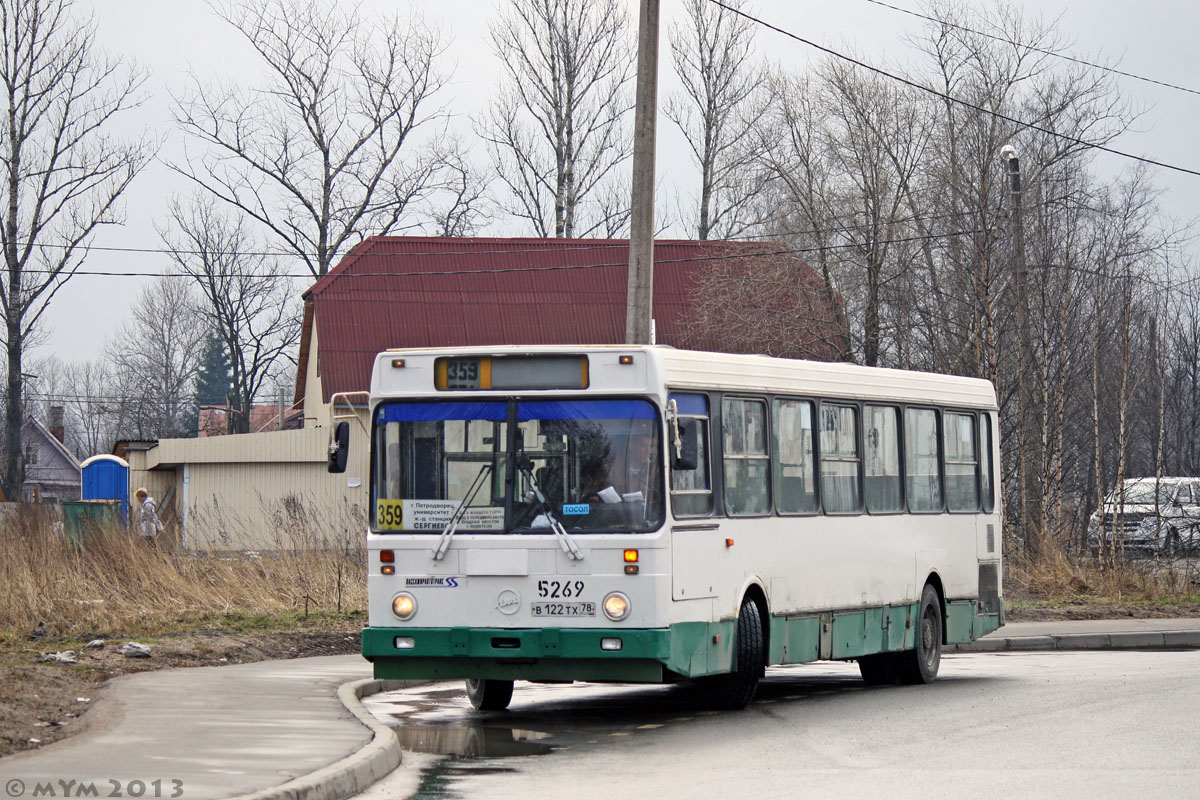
563, 609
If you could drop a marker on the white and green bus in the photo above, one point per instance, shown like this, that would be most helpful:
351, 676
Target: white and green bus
647, 514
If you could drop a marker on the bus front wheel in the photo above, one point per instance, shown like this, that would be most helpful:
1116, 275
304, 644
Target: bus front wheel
920, 665
736, 689
489, 695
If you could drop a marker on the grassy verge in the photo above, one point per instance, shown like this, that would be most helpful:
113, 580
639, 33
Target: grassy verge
1054, 578
114, 584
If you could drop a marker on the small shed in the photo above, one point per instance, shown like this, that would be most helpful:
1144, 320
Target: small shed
106, 477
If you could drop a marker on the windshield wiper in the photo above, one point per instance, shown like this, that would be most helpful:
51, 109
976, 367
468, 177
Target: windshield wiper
564, 539
443, 542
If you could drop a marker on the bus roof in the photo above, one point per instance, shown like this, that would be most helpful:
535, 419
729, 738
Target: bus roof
727, 372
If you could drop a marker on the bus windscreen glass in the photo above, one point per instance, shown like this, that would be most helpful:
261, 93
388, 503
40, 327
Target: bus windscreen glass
517, 466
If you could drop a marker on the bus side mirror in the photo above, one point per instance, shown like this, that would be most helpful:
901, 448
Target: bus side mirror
686, 447
339, 447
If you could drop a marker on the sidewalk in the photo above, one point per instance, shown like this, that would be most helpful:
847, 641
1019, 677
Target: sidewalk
220, 732
294, 730
1099, 634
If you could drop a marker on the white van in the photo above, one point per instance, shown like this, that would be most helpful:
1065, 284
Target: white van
1156, 515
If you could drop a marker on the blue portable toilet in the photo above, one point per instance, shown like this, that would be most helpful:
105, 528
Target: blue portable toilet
107, 478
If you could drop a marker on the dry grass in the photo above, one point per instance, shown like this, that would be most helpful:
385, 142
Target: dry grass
316, 565
117, 584
1054, 575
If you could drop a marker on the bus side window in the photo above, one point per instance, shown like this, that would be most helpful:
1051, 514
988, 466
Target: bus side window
881, 441
793, 461
841, 492
691, 489
924, 488
744, 424
962, 486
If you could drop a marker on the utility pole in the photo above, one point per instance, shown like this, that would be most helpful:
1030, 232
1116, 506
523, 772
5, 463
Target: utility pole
639, 299
1009, 154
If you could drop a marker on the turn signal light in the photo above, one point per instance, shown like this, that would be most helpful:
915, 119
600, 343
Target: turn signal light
388, 569
398, 363
626, 360
631, 556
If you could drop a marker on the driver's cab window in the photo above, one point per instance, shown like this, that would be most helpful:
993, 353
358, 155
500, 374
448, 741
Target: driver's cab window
691, 489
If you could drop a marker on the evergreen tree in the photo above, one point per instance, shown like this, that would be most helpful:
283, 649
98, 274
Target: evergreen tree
214, 382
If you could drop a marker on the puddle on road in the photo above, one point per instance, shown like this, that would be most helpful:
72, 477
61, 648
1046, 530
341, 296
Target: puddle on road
439, 720
472, 740
437, 781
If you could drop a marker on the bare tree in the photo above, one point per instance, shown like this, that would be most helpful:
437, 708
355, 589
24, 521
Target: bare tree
88, 393
156, 355
764, 302
64, 173
718, 110
326, 150
875, 135
554, 129
246, 297
461, 207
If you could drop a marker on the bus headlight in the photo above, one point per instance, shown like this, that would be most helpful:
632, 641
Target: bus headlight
616, 606
404, 605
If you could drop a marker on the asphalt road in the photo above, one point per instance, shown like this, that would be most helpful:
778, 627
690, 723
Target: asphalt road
1061, 725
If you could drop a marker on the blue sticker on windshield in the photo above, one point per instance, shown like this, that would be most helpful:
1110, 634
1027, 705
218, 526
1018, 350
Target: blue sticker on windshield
575, 508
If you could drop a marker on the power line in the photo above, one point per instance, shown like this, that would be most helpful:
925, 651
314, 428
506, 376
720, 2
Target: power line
1031, 48
599, 245
965, 103
554, 268
1035, 49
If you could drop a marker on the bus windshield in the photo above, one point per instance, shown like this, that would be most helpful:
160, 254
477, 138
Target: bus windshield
517, 466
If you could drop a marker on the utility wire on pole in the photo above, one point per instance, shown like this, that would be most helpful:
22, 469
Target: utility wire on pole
640, 292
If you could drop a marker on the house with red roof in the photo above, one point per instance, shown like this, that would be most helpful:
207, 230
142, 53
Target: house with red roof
261, 490
408, 291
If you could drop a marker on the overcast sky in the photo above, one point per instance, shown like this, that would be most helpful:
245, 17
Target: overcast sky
1153, 38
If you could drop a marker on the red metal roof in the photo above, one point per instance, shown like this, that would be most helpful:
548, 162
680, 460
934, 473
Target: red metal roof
432, 292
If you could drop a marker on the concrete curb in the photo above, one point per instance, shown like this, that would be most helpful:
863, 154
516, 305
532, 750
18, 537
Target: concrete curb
355, 772
1140, 640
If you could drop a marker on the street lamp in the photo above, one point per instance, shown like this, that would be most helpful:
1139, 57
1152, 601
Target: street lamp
1009, 154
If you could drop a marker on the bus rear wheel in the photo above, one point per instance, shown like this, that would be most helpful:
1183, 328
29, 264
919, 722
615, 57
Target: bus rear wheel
735, 690
920, 665
486, 694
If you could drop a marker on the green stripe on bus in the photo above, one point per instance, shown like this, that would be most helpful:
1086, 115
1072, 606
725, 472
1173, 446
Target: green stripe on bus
687, 649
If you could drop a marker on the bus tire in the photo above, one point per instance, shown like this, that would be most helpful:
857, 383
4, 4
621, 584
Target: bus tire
878, 669
920, 665
735, 690
486, 694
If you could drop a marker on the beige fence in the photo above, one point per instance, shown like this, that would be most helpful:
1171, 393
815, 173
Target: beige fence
257, 491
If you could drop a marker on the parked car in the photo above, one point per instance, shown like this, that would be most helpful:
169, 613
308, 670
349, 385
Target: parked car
1153, 515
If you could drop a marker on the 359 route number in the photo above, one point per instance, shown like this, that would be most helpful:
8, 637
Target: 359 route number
560, 589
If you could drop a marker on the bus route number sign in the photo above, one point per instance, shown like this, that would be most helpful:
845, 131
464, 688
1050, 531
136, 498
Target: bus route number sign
462, 373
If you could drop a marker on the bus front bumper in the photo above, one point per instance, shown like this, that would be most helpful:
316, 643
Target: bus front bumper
550, 654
